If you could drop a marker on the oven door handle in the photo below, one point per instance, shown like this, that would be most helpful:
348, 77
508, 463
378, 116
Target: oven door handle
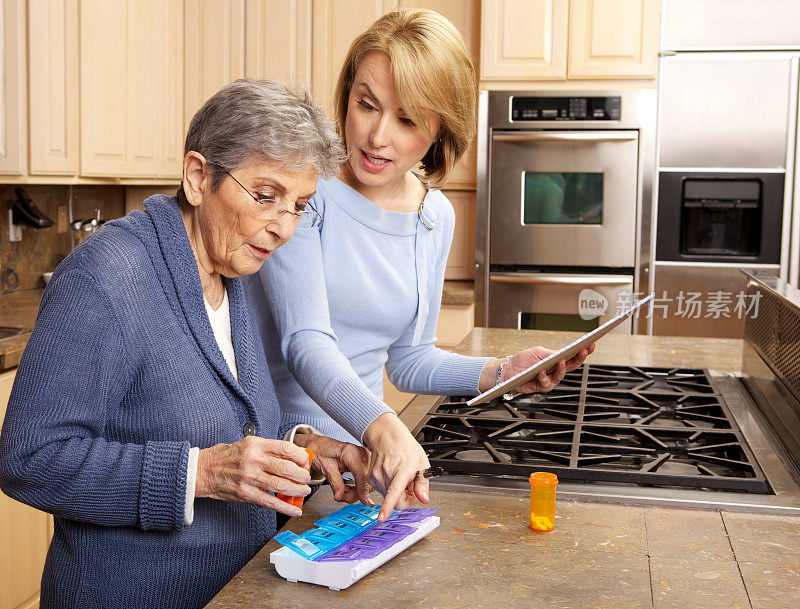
559, 279
545, 136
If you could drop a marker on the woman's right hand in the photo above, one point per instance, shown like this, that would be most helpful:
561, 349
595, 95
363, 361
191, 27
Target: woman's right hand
242, 471
397, 458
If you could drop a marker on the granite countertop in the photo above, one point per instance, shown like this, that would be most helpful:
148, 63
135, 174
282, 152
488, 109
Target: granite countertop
17, 310
600, 555
458, 292
484, 555
721, 354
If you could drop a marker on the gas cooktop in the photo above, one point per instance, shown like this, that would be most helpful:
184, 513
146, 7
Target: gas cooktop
651, 430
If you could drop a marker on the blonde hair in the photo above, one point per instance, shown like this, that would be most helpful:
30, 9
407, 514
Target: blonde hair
433, 72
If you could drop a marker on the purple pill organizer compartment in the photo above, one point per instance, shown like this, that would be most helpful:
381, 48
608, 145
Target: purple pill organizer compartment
348, 544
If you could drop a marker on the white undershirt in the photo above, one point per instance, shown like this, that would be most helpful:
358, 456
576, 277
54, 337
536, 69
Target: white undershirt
221, 325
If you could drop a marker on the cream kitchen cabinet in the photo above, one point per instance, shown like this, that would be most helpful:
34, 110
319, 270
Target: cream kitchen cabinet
455, 322
214, 50
466, 16
336, 23
613, 39
524, 39
53, 87
461, 261
278, 40
131, 66
13, 134
231, 39
25, 534
556, 40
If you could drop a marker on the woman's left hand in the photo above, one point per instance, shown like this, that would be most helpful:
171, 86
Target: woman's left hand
544, 381
332, 458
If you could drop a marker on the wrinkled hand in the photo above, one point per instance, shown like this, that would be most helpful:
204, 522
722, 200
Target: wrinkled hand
396, 459
242, 471
331, 458
544, 381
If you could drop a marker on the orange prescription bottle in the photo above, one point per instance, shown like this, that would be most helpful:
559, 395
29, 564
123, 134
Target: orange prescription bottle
297, 501
543, 501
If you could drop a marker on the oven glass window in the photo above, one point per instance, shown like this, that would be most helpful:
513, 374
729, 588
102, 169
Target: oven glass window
557, 321
562, 198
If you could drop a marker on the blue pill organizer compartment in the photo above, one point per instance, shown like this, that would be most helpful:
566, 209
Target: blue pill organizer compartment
348, 544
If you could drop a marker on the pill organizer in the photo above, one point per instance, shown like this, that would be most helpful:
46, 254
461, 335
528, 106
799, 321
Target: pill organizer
331, 565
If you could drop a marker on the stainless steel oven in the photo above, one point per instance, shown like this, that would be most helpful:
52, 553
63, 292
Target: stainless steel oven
533, 301
550, 189
563, 205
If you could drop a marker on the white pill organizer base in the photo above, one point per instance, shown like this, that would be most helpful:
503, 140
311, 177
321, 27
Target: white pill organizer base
338, 575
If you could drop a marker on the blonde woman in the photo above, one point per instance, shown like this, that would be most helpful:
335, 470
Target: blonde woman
370, 278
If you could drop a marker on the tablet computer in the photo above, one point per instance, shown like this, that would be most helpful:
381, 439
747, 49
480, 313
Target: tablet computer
566, 353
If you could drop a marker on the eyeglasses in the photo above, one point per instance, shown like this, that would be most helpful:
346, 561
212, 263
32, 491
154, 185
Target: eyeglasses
267, 208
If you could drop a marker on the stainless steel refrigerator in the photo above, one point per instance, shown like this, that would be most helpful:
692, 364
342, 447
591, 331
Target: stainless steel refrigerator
726, 160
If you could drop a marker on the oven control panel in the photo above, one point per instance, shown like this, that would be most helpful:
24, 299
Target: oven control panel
531, 108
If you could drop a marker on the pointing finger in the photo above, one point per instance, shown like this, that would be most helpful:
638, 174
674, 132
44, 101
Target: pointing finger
396, 490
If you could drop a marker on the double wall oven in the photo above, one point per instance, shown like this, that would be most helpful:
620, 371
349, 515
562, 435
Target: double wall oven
563, 206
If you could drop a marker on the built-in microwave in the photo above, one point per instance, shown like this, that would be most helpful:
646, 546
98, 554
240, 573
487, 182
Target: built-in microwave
720, 216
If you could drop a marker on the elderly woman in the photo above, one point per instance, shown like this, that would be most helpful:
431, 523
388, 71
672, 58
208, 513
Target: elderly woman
143, 416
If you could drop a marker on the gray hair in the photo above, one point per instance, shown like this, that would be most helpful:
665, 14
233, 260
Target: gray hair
263, 120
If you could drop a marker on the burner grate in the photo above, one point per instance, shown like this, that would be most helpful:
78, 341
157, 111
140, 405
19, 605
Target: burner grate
642, 379
654, 426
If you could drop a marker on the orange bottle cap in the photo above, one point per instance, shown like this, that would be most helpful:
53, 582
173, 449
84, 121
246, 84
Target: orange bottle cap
297, 501
543, 479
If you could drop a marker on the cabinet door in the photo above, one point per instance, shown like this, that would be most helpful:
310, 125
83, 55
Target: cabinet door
12, 87
524, 39
335, 26
24, 537
455, 322
53, 86
466, 16
169, 92
155, 88
141, 53
461, 261
214, 50
278, 40
613, 38
131, 98
104, 91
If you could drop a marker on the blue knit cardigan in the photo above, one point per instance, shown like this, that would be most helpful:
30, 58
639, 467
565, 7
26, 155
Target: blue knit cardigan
122, 374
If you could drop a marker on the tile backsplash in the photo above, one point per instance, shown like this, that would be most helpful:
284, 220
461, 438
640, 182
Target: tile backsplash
22, 263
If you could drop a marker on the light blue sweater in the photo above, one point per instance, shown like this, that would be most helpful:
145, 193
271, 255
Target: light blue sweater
122, 374
336, 304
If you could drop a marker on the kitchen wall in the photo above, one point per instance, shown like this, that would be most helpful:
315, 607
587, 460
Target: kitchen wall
40, 250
